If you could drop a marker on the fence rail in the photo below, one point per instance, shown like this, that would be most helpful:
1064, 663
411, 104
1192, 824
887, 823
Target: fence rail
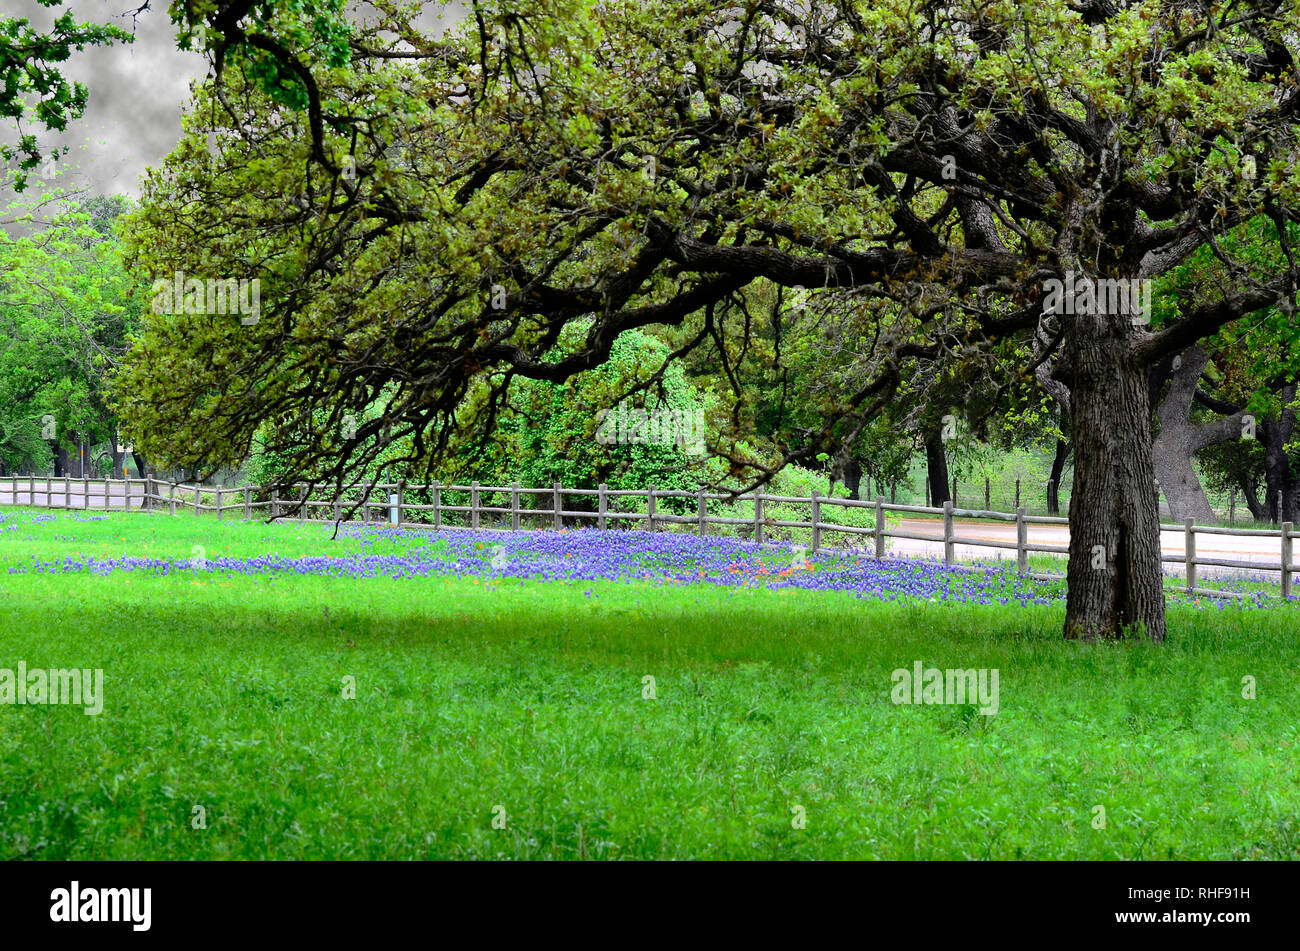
394, 503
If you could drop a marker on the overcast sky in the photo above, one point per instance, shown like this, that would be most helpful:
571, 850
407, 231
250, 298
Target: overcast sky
137, 92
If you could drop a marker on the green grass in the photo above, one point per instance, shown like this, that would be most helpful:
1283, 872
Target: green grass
225, 692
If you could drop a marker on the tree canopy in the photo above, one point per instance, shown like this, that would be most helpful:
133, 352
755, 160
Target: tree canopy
429, 212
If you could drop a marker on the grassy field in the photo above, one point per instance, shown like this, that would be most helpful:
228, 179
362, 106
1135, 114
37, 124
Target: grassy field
482, 701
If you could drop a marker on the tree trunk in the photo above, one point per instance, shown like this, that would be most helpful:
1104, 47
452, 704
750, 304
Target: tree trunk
1249, 492
1180, 439
1115, 580
1279, 481
853, 477
63, 458
936, 463
1181, 487
1054, 482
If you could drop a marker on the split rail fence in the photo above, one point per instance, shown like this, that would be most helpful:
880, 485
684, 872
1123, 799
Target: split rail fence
395, 506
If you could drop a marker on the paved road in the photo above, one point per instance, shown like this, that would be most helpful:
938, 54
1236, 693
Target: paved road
76, 495
1257, 549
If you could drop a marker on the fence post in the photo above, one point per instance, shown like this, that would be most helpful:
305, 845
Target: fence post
1286, 559
1189, 552
108, 495
948, 546
198, 497
219, 516
365, 506
247, 502
473, 505
49, 501
558, 506
401, 498
514, 506
67, 492
816, 519
601, 505
880, 526
650, 507
702, 513
172, 498
758, 515
437, 504
1022, 541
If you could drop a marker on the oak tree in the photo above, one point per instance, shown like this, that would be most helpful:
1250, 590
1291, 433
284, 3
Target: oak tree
424, 210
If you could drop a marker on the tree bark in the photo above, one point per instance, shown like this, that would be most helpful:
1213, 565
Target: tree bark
1115, 582
936, 463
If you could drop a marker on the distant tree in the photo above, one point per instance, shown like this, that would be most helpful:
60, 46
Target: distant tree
67, 311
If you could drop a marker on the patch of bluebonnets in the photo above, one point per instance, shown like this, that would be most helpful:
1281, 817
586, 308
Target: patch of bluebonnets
656, 558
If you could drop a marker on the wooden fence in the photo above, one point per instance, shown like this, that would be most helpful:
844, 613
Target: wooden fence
395, 507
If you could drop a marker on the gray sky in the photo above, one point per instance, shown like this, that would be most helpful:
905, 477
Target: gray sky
138, 92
